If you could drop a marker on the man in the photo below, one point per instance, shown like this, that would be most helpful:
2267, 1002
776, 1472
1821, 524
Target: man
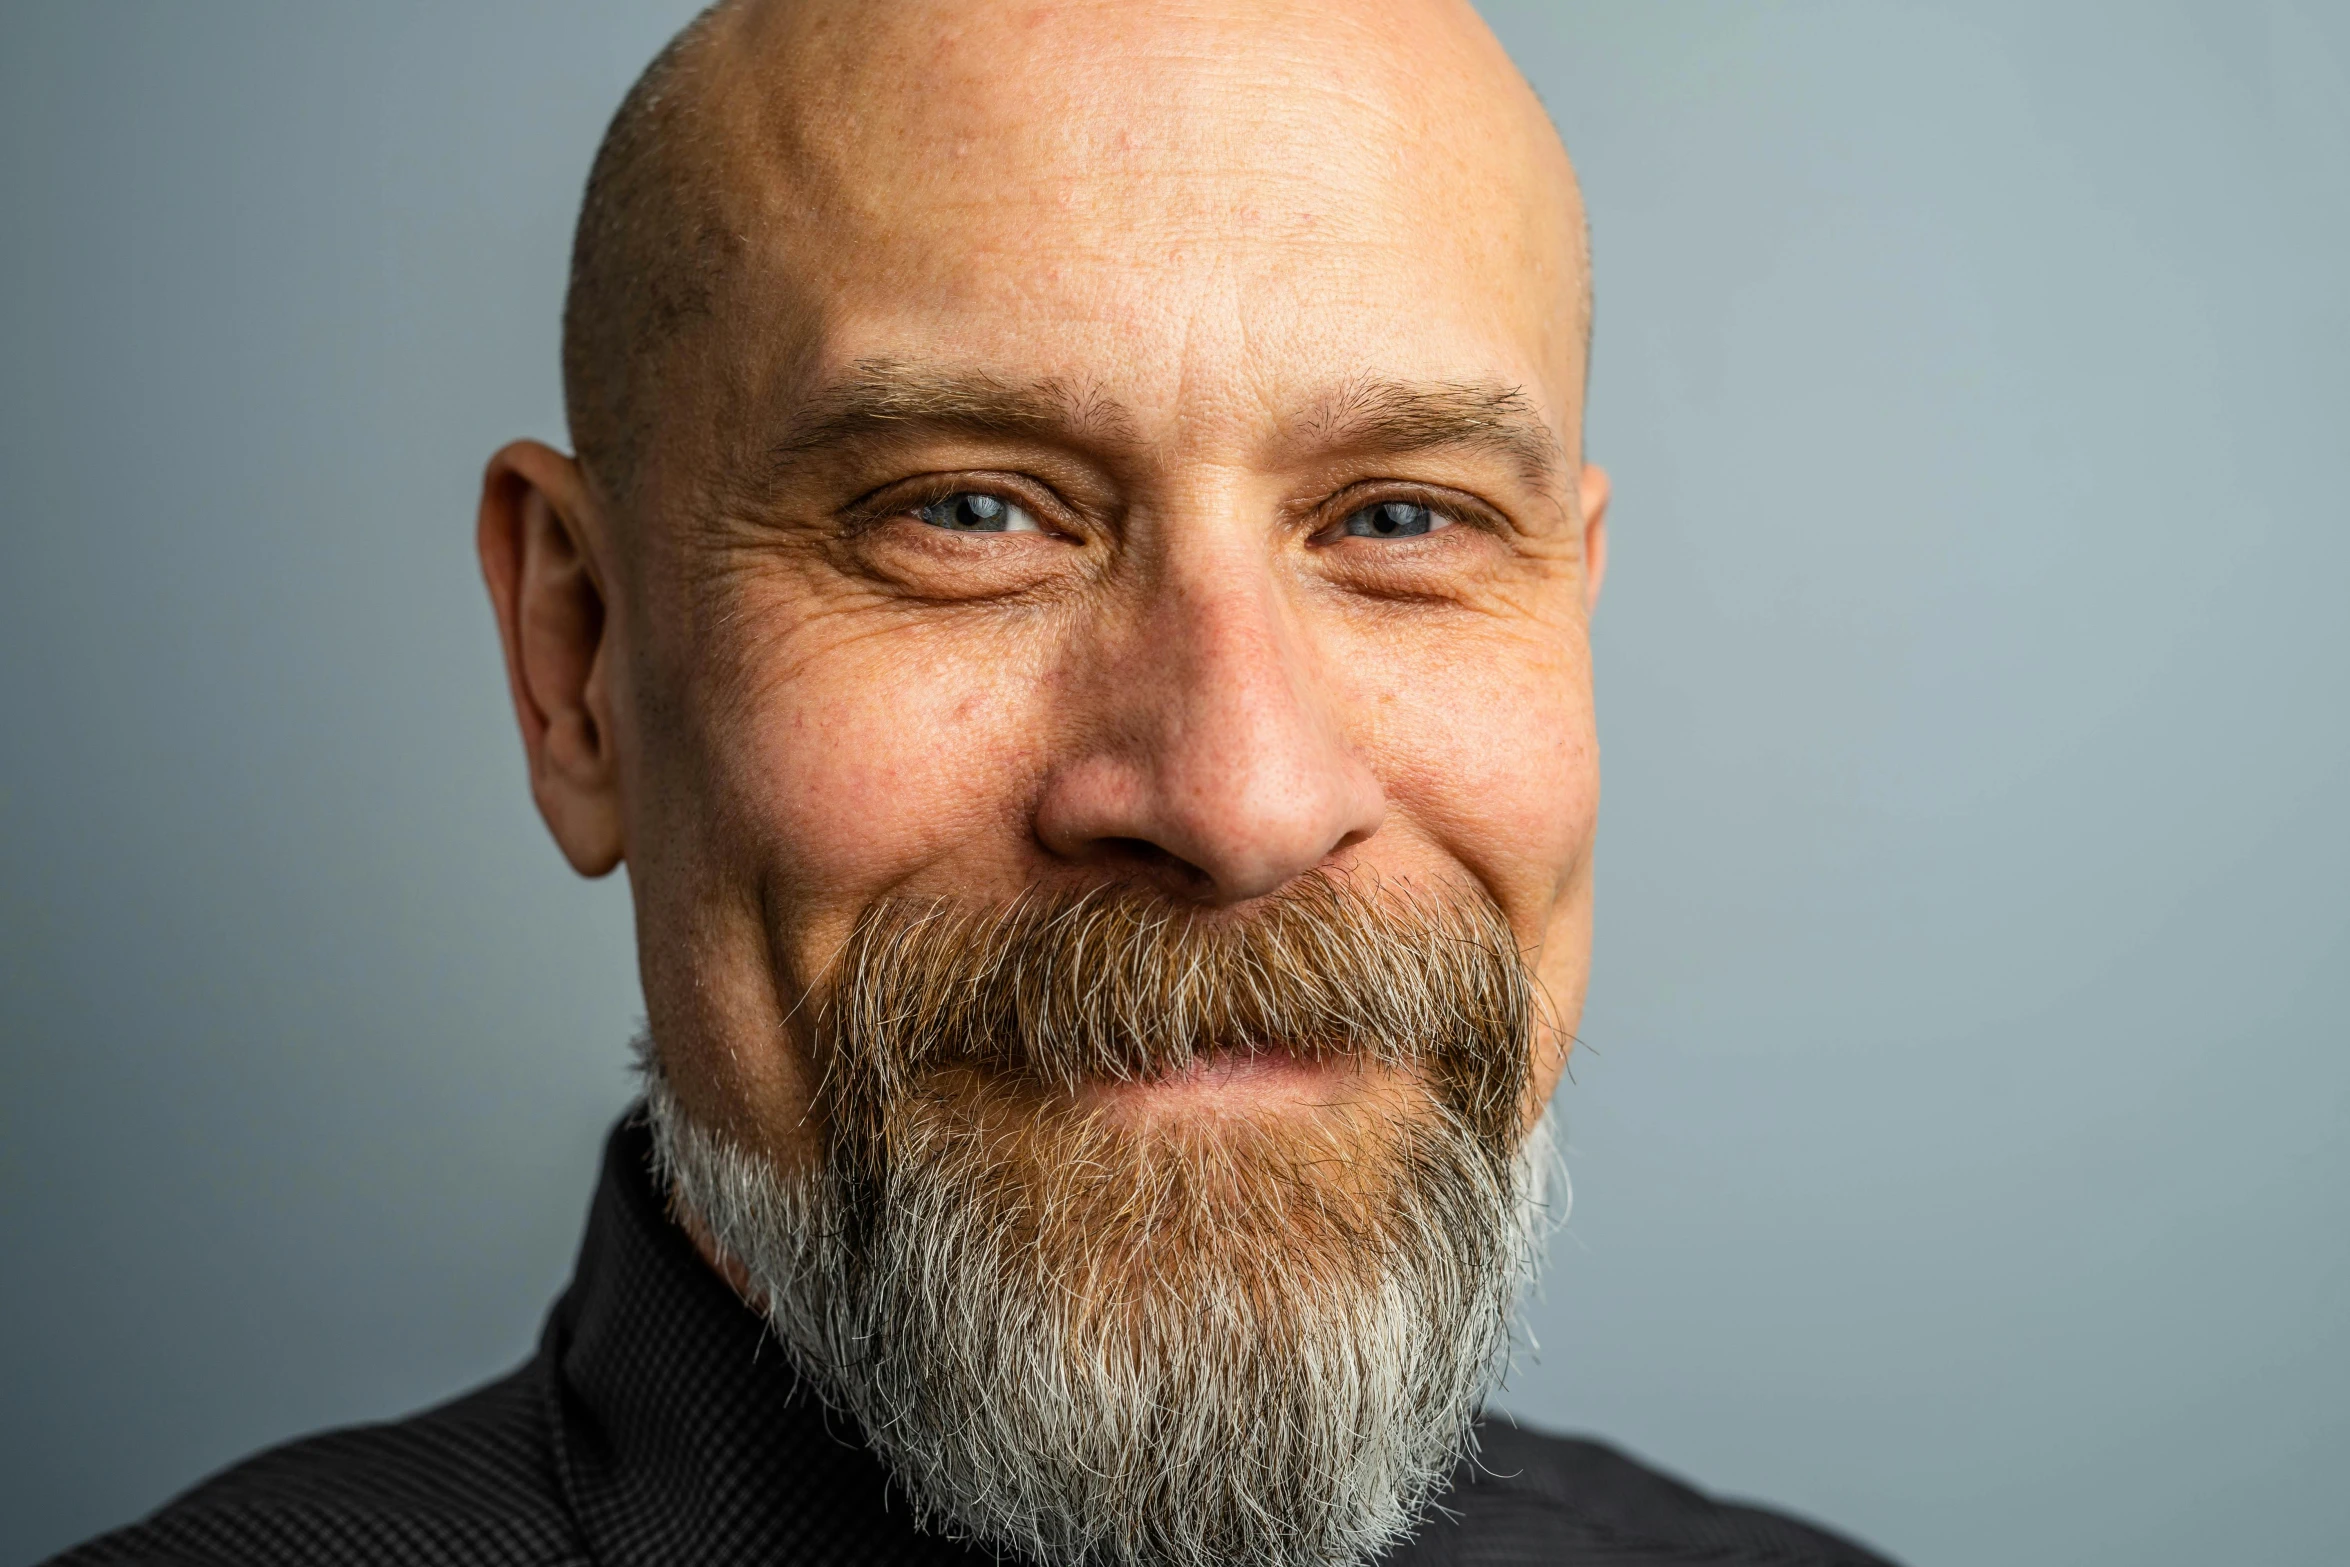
1070, 604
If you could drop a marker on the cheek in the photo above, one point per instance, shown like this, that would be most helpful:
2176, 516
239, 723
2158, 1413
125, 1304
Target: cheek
876, 760
1487, 749
847, 767
1486, 745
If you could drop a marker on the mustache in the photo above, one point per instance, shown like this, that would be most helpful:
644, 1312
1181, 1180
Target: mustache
1120, 982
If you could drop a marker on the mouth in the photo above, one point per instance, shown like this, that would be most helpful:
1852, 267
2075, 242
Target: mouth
1231, 1082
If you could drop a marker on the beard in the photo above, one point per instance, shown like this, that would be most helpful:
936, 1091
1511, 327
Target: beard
1159, 1342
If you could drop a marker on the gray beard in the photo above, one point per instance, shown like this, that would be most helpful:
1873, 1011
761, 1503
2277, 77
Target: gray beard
1141, 1352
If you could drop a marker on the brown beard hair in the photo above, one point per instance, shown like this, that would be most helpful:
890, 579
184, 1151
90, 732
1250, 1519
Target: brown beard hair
1119, 983
1190, 1341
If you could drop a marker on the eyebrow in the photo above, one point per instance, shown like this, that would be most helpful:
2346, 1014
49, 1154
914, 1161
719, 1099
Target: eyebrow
882, 400
1416, 416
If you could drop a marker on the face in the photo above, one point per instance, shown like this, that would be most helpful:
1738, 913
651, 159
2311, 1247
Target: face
1143, 449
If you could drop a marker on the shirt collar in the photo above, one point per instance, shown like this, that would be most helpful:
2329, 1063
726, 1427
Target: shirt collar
683, 1433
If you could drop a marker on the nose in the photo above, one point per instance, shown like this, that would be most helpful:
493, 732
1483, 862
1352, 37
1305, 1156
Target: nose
1213, 744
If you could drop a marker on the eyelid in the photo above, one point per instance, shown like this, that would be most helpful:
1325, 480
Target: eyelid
1459, 507
906, 497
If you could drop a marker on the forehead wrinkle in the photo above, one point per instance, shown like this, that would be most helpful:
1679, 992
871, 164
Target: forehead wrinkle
818, 138
1383, 415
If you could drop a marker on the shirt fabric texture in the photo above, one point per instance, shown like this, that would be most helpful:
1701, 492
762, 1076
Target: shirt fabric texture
661, 1424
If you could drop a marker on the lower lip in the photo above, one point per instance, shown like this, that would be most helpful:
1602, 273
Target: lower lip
1227, 1079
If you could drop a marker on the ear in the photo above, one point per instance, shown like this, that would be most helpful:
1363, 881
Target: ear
538, 556
1594, 492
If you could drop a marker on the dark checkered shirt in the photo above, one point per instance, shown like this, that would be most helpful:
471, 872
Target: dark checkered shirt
660, 1426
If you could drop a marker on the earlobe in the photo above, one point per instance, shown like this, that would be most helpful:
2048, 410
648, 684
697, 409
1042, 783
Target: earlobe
1594, 486
538, 558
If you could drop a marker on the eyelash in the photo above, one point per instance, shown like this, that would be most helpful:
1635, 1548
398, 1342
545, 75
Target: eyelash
1463, 511
899, 500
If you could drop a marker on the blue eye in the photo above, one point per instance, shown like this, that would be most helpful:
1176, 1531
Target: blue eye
1394, 520
972, 511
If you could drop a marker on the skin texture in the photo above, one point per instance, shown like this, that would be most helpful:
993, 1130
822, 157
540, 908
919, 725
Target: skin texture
1188, 283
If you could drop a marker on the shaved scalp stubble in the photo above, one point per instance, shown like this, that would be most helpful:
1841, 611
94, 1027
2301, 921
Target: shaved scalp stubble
647, 256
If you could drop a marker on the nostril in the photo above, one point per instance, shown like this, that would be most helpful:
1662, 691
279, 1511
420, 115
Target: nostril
1145, 860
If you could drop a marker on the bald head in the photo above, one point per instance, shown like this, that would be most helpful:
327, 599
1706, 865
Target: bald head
779, 151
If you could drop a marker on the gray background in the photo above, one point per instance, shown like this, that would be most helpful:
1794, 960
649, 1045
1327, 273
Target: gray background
1960, 1145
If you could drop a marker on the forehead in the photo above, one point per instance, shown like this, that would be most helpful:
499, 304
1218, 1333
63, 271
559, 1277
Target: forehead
1204, 211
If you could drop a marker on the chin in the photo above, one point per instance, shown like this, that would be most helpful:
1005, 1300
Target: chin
1244, 1311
